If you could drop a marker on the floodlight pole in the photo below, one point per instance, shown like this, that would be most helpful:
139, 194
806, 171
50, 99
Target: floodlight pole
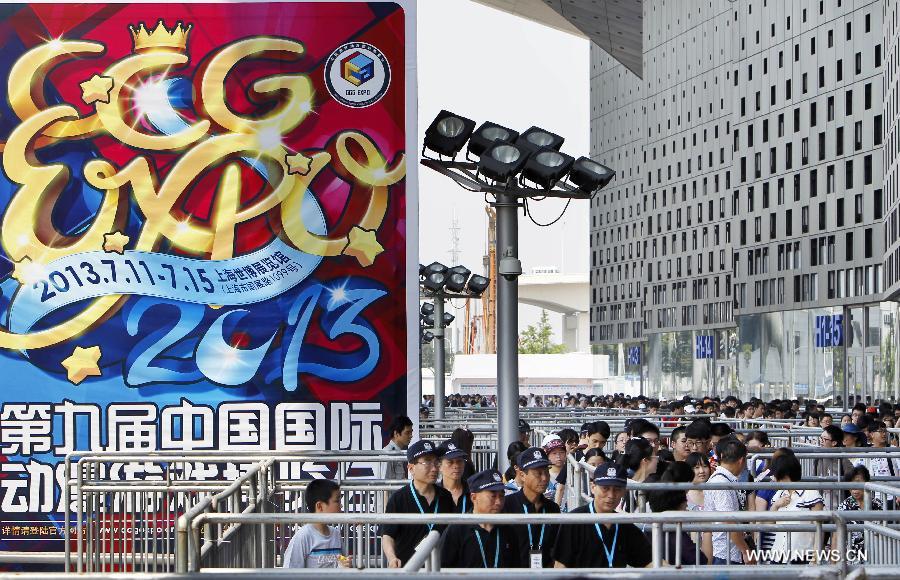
465, 174
438, 356
507, 327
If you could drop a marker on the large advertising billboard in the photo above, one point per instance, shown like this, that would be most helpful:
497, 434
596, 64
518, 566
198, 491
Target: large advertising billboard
205, 234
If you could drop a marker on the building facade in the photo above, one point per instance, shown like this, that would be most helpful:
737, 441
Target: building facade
748, 242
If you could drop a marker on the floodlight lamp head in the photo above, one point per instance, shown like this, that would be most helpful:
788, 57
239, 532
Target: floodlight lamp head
590, 176
546, 167
427, 308
457, 278
501, 161
448, 319
427, 336
535, 139
487, 134
448, 133
434, 268
435, 281
428, 321
477, 285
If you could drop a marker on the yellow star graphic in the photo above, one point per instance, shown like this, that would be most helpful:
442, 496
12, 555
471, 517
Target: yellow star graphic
298, 164
95, 89
82, 363
25, 271
363, 246
115, 242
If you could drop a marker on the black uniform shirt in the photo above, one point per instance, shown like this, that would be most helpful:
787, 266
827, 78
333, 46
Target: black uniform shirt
464, 505
406, 536
517, 503
462, 550
579, 546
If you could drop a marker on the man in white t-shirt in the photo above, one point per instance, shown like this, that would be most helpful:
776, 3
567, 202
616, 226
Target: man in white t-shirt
881, 466
732, 461
318, 545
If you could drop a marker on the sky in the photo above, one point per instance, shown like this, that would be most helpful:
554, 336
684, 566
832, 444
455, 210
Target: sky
485, 64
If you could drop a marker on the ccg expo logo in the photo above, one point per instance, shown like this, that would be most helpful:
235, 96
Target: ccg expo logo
357, 74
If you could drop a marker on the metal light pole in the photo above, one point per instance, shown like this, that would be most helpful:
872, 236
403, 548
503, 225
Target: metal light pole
507, 276
513, 167
438, 357
440, 283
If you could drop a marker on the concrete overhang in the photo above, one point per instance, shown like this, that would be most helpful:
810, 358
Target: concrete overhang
616, 26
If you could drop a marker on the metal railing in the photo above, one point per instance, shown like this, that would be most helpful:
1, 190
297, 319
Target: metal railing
125, 521
659, 525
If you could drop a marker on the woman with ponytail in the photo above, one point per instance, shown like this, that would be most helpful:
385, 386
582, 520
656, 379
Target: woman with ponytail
639, 459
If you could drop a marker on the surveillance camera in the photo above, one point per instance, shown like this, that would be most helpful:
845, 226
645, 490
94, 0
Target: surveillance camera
510, 268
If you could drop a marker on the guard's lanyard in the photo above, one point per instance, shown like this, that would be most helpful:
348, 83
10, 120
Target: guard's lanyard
541, 538
463, 504
610, 552
437, 502
481, 548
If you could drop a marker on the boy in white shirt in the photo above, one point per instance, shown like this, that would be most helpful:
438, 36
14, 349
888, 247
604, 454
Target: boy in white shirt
318, 545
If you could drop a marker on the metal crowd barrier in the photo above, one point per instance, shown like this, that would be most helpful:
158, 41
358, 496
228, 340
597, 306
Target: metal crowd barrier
126, 520
193, 559
824, 572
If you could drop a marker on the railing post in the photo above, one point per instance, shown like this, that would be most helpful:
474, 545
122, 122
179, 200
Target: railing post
575, 478
435, 558
181, 545
840, 543
656, 541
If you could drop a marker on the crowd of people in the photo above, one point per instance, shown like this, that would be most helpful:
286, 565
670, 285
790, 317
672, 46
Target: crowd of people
442, 479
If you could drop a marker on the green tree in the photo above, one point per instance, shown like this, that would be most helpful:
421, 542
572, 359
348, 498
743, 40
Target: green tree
536, 338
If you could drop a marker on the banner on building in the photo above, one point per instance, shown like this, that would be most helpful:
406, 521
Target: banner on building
205, 232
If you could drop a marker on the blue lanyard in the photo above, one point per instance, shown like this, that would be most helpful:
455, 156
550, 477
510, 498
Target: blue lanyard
463, 504
541, 539
481, 548
610, 552
437, 502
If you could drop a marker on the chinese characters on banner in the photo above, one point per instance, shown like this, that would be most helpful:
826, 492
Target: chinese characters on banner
204, 236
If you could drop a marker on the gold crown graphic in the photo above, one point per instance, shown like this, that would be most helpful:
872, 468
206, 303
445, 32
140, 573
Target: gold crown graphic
160, 37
